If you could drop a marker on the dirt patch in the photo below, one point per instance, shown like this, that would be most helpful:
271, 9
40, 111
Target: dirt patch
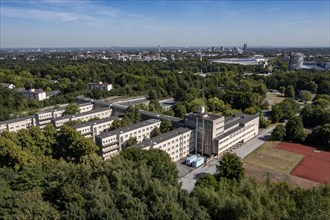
260, 175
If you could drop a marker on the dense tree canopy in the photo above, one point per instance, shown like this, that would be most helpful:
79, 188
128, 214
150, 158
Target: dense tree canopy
294, 129
230, 167
71, 109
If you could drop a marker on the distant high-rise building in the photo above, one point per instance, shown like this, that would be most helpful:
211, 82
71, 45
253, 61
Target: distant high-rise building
296, 61
159, 49
158, 56
222, 49
213, 49
245, 48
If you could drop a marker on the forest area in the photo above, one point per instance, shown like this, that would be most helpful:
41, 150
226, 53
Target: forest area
49, 174
58, 175
178, 79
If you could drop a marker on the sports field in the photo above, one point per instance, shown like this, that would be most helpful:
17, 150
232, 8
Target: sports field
271, 158
314, 166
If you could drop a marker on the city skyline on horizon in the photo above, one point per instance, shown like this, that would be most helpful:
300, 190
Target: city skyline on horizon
74, 24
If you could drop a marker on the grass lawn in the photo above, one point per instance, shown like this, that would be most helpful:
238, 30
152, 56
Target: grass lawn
268, 157
274, 98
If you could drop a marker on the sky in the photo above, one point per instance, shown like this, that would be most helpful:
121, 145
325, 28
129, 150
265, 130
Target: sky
97, 23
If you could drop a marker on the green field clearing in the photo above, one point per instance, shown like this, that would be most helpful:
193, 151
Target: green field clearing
275, 98
268, 157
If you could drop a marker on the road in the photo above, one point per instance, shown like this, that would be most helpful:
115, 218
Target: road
189, 181
256, 142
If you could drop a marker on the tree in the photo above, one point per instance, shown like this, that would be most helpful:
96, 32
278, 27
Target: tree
179, 110
230, 167
155, 132
289, 91
320, 136
279, 132
165, 126
295, 129
263, 122
130, 142
207, 180
72, 145
71, 109
305, 95
215, 104
155, 106
281, 89
152, 95
132, 114
276, 114
284, 110
12, 155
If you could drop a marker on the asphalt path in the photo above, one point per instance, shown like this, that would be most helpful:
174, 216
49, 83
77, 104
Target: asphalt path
188, 182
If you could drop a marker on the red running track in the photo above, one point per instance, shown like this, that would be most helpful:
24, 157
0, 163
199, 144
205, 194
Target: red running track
314, 166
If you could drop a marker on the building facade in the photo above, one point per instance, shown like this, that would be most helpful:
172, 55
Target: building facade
206, 127
94, 128
111, 143
214, 134
238, 130
44, 118
38, 94
14, 125
178, 143
99, 113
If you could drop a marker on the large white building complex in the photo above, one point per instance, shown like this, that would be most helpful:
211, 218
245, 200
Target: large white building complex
44, 118
215, 134
198, 133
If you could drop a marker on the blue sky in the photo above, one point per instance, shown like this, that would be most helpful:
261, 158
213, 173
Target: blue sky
96, 23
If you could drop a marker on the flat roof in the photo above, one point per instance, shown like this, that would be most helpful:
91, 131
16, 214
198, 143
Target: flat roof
16, 120
82, 114
81, 125
128, 128
133, 102
163, 137
239, 119
206, 116
62, 108
160, 116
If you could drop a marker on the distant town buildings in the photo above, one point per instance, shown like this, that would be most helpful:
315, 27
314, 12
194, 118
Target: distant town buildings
37, 94
8, 85
245, 47
255, 60
296, 61
100, 85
